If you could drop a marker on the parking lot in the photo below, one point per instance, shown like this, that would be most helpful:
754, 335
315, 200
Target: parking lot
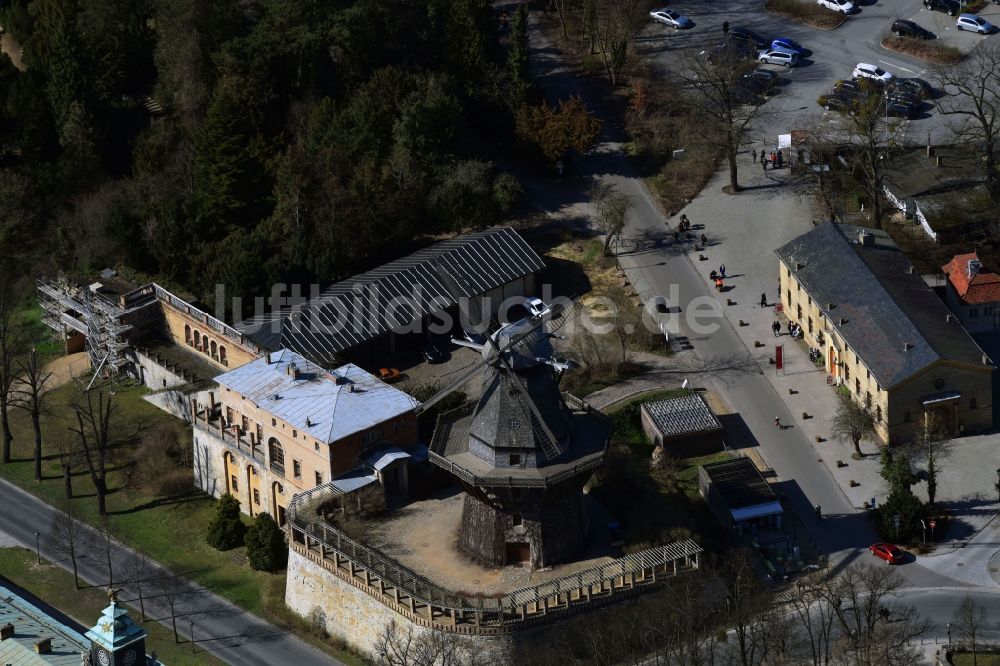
834, 53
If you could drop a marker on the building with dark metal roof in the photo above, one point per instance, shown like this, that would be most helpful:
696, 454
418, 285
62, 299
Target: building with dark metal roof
739, 495
884, 334
684, 425
472, 273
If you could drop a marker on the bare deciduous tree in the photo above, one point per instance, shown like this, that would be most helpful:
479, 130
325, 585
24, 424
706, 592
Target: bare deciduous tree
138, 572
614, 24
931, 444
718, 98
970, 621
610, 211
10, 346
973, 100
94, 420
29, 392
852, 422
102, 540
67, 536
407, 648
173, 588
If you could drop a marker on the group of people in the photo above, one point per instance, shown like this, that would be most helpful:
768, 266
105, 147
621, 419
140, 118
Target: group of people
717, 277
776, 158
794, 329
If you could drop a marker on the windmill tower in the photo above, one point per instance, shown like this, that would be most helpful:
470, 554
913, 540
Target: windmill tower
522, 453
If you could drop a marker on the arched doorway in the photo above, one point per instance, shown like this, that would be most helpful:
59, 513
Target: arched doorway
197, 340
253, 490
222, 355
277, 508
215, 349
187, 333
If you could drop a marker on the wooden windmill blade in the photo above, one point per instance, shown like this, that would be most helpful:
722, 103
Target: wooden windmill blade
478, 365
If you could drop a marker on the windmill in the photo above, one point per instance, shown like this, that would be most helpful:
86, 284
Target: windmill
523, 452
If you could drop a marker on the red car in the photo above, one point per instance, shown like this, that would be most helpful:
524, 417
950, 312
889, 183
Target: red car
887, 552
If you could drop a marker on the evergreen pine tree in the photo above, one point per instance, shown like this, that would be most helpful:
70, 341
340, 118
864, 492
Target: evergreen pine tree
266, 547
226, 529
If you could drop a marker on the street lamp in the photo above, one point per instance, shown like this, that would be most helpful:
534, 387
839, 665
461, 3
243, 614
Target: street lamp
949, 633
38, 549
191, 627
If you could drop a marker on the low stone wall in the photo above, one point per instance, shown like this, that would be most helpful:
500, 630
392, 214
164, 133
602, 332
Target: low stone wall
351, 614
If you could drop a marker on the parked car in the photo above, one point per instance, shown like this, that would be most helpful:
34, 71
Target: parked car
864, 70
432, 354
916, 86
888, 552
858, 87
839, 102
782, 57
670, 18
761, 80
739, 33
536, 307
789, 44
903, 28
389, 375
949, 7
974, 23
898, 108
842, 6
616, 535
734, 51
905, 96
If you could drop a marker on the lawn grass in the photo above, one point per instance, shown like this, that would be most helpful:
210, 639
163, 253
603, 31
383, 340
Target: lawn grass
52, 584
171, 530
982, 659
627, 420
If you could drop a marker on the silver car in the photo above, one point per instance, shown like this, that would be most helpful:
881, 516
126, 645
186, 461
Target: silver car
779, 56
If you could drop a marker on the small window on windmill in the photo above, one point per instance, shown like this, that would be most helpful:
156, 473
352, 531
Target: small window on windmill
514, 424
515, 459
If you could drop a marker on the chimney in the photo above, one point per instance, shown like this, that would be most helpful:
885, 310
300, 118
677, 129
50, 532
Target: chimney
986, 361
44, 646
829, 306
974, 267
842, 321
6, 631
907, 346
308, 422
911, 269
799, 266
293, 371
339, 379
949, 318
866, 238
930, 151
350, 387
939, 160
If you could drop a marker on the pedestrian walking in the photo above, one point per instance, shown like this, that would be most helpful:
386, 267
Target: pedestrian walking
763, 157
789, 327
753, 154
725, 27
763, 163
776, 328
774, 158
763, 300
704, 240
722, 270
777, 423
819, 513
781, 159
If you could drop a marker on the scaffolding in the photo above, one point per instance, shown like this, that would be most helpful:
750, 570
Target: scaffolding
68, 306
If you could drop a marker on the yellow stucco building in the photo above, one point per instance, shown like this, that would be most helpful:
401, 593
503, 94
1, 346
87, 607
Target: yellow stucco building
281, 425
883, 334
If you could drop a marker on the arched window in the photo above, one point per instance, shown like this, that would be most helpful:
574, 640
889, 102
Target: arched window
215, 349
222, 355
276, 455
197, 340
187, 334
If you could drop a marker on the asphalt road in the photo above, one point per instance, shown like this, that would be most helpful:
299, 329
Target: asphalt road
228, 632
834, 55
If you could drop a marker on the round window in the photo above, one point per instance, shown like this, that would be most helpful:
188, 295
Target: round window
939, 384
